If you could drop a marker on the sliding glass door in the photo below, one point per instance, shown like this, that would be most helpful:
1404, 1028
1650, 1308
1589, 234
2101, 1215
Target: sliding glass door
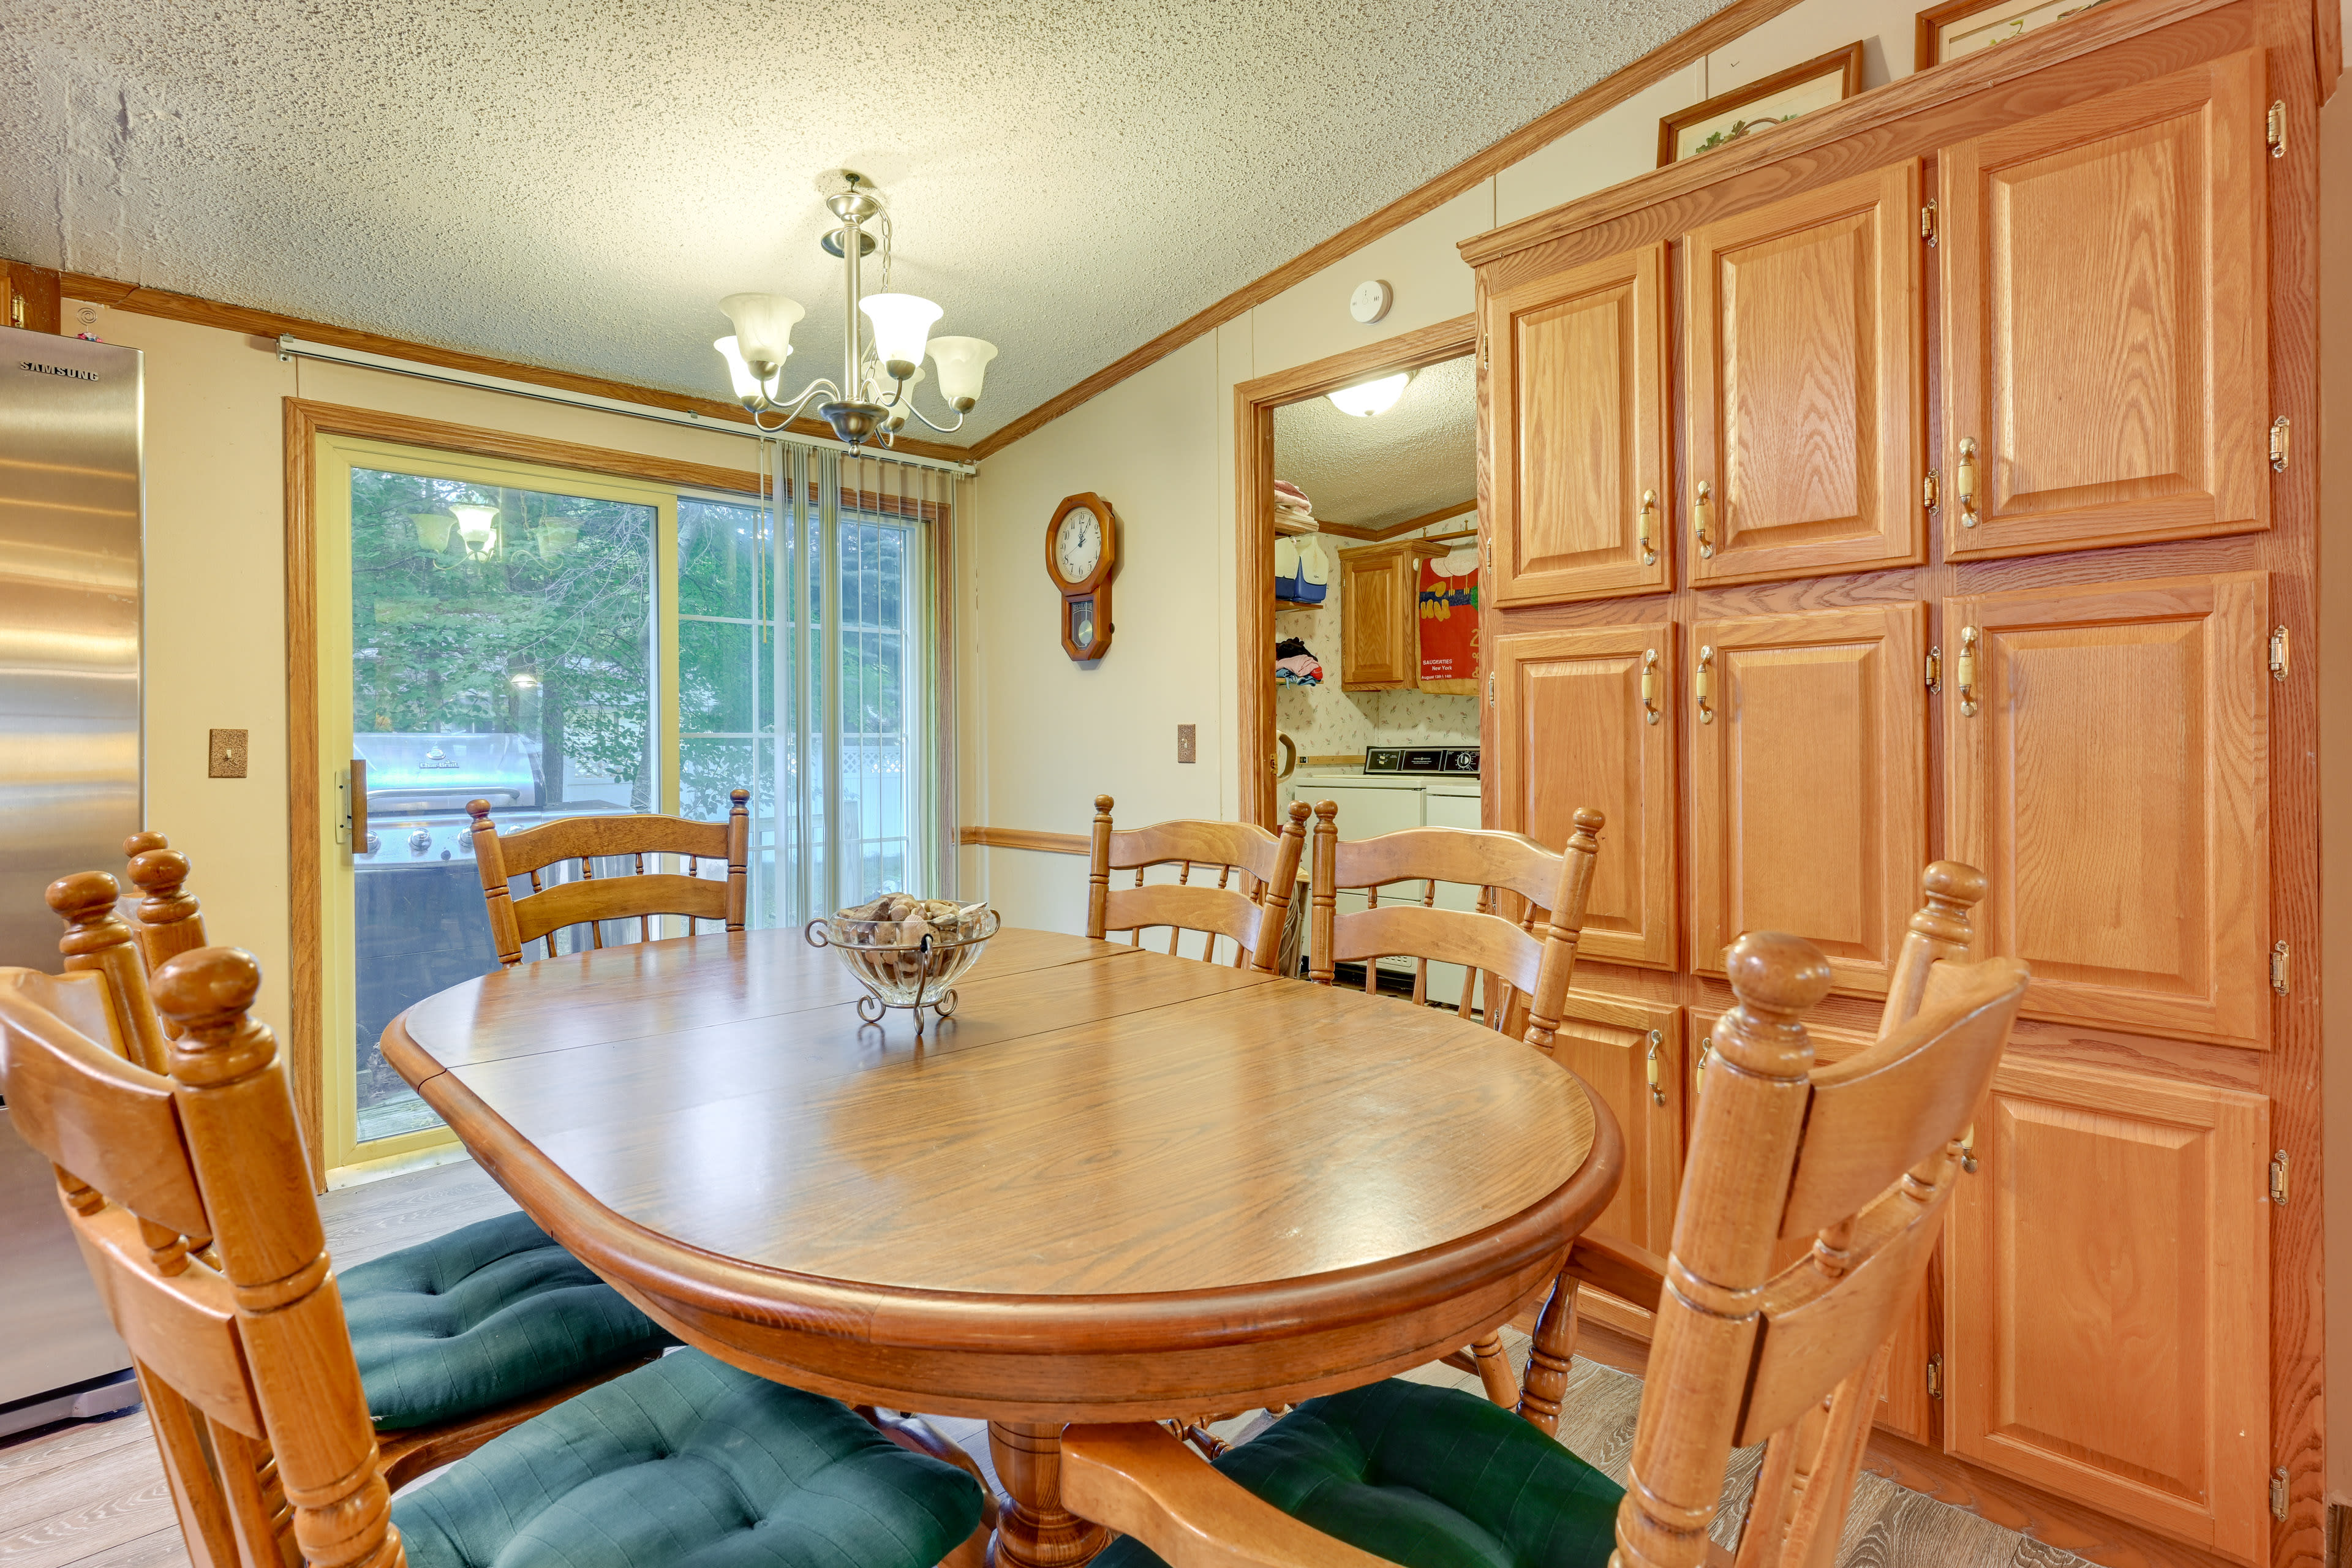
561, 644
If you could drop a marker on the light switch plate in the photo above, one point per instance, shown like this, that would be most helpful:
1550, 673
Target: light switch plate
1184, 744
227, 755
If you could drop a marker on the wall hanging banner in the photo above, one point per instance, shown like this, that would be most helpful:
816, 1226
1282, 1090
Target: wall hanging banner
1449, 618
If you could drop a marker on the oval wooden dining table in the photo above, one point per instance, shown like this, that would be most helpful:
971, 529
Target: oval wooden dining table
1115, 1185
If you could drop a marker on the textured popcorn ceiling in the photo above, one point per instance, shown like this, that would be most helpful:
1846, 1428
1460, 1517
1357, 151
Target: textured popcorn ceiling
576, 183
1420, 455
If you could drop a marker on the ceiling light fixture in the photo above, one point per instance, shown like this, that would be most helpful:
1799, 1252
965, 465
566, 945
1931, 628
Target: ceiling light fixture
477, 525
879, 372
1370, 398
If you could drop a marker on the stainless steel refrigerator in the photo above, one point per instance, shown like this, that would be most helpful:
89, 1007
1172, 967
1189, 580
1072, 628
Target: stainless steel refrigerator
72, 515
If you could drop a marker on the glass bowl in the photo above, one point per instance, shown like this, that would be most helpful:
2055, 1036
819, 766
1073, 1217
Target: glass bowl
912, 962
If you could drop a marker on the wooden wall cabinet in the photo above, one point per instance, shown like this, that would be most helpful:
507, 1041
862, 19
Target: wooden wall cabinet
1379, 616
1575, 419
1809, 782
1632, 1054
1802, 384
2106, 319
2107, 769
2107, 1332
1586, 718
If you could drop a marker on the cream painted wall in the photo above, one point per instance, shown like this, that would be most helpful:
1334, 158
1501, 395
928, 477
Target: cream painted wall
216, 601
1052, 738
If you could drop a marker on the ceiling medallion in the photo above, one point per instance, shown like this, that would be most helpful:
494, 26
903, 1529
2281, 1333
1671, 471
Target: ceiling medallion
876, 393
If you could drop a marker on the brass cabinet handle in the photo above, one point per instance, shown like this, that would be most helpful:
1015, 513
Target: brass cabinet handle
1650, 685
1967, 672
1968, 1150
1968, 482
1707, 686
1698, 1073
1649, 513
1703, 518
1657, 1090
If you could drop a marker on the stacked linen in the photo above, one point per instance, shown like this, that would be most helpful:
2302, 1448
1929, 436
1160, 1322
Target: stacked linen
1295, 665
1292, 512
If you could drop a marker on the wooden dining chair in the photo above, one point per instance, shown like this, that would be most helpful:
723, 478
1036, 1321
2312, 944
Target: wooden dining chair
593, 898
1861, 1156
1249, 902
192, 1201
1521, 886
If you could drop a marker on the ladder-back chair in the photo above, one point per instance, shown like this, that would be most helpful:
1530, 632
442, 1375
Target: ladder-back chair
1249, 902
592, 899
192, 1201
1861, 1156
1524, 971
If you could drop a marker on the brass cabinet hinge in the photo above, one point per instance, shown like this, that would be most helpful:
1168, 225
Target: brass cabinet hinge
1927, 488
2278, 1492
2278, 1178
2278, 968
1485, 350
2280, 429
2274, 129
2278, 653
1490, 688
1936, 1375
1928, 221
1936, 669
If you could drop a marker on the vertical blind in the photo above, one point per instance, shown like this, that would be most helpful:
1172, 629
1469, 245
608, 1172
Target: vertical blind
854, 784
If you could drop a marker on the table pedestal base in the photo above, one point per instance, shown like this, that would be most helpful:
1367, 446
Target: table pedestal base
1035, 1530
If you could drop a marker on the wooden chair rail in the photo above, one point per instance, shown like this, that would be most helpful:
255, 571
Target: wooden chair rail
1249, 902
1473, 856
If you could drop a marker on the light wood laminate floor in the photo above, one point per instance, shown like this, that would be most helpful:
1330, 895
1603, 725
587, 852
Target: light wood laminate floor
92, 1494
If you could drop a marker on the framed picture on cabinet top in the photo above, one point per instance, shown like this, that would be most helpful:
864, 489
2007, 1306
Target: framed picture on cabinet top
1958, 27
1760, 105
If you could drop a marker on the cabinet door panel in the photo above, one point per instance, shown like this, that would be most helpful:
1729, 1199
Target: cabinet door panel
1376, 611
1803, 378
1808, 790
2113, 785
2108, 1305
1576, 431
2105, 308
1574, 730
1607, 1041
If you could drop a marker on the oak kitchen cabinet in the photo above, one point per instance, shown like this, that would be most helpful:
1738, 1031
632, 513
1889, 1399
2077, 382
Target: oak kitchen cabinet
1993, 393
1380, 628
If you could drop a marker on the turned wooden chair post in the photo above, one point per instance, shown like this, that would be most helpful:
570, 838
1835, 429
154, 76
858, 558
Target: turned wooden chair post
1099, 869
491, 866
1724, 1229
1322, 893
738, 858
1563, 928
170, 919
238, 1117
96, 938
1938, 930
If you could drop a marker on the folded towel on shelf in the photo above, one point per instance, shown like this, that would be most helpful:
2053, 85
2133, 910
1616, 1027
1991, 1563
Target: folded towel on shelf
1284, 490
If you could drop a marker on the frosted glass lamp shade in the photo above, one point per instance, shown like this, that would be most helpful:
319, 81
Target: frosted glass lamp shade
432, 529
749, 388
763, 327
1372, 397
964, 366
477, 526
901, 323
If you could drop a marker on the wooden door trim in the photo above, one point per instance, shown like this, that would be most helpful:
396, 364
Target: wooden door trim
1642, 272
305, 422
1658, 949
1253, 406
1894, 414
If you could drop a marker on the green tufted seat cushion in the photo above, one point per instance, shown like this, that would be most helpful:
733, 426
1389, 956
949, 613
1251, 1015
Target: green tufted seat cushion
485, 1315
688, 1463
1431, 1477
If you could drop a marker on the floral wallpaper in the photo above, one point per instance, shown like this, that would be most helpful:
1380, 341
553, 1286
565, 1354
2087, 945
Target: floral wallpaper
1328, 722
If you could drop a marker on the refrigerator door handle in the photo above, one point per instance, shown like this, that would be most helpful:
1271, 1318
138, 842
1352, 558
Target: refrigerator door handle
351, 832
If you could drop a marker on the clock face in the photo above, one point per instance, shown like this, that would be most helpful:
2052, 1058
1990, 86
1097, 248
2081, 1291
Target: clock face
1077, 545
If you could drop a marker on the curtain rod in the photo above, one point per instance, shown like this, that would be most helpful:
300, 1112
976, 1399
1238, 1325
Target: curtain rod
291, 347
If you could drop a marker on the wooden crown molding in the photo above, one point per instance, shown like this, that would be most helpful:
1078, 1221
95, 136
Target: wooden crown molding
1024, 839
1375, 535
1787, 145
189, 308
1610, 90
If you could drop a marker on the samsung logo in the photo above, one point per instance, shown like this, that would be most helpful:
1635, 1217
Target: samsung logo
67, 371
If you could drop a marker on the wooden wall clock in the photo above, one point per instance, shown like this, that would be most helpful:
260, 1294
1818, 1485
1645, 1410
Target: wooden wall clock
1082, 556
